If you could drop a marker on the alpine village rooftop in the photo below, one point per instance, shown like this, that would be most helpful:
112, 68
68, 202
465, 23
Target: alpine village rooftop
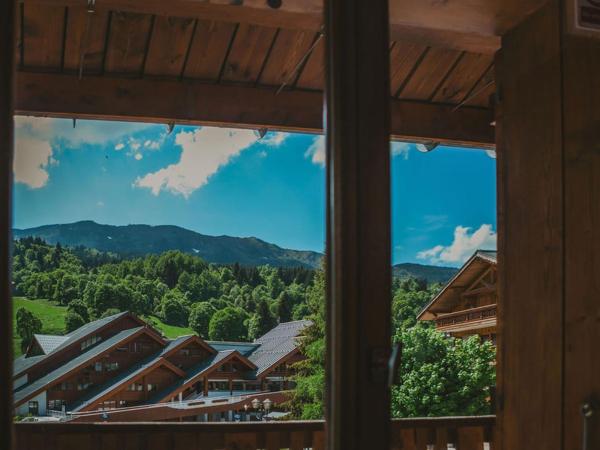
119, 368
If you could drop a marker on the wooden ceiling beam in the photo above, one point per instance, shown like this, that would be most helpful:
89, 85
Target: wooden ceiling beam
192, 102
460, 28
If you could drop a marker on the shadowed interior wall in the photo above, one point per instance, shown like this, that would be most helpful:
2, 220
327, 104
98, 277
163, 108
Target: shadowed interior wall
549, 221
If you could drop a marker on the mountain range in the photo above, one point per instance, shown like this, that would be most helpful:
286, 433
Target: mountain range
433, 274
139, 240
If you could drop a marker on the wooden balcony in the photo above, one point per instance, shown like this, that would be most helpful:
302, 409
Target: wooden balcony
474, 318
461, 433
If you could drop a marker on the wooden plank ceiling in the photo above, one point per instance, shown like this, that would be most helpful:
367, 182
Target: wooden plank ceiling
105, 51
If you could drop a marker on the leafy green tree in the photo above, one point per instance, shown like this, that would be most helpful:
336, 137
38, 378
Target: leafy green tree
443, 376
172, 309
284, 307
80, 308
27, 325
262, 321
228, 325
67, 289
307, 399
409, 299
73, 321
200, 316
109, 312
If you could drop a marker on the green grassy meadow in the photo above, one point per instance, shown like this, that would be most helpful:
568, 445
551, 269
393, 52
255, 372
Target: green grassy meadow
53, 319
51, 315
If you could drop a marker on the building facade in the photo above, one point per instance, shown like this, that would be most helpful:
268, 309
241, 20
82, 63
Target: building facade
122, 365
467, 305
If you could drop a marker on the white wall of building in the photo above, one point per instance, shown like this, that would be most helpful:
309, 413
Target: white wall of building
20, 382
23, 410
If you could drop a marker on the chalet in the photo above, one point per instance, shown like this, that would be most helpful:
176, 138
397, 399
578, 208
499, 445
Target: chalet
122, 364
467, 304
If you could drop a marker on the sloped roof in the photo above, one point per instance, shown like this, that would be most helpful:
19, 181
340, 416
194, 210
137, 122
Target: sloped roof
198, 370
49, 342
277, 344
245, 348
124, 378
74, 336
44, 382
22, 363
466, 275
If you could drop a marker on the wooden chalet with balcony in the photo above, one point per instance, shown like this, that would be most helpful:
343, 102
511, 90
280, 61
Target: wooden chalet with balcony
467, 304
120, 363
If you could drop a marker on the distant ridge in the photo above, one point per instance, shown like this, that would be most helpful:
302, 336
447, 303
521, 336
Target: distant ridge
140, 240
433, 274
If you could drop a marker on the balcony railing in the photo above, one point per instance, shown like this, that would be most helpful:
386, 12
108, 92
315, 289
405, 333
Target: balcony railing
469, 315
460, 433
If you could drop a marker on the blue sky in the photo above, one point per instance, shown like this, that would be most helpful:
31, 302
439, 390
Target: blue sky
225, 181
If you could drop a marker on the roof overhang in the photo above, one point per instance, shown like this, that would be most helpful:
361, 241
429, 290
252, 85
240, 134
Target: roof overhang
457, 282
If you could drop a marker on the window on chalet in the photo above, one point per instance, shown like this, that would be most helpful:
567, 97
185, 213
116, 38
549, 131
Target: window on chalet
56, 405
98, 366
90, 341
34, 408
111, 367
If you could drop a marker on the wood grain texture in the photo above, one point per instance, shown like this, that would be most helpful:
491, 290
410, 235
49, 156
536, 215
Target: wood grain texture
287, 435
209, 49
168, 46
531, 234
126, 99
471, 25
127, 43
288, 51
358, 265
86, 35
404, 59
248, 53
43, 40
581, 97
313, 73
8, 31
463, 79
432, 70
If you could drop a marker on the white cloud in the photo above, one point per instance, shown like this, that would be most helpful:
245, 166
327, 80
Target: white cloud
120, 146
274, 139
316, 151
138, 156
32, 158
37, 138
463, 246
100, 204
134, 144
152, 145
491, 153
401, 149
204, 151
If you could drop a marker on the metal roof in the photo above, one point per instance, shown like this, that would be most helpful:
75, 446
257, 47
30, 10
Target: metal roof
192, 373
276, 344
22, 363
75, 336
245, 348
129, 374
49, 342
28, 390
